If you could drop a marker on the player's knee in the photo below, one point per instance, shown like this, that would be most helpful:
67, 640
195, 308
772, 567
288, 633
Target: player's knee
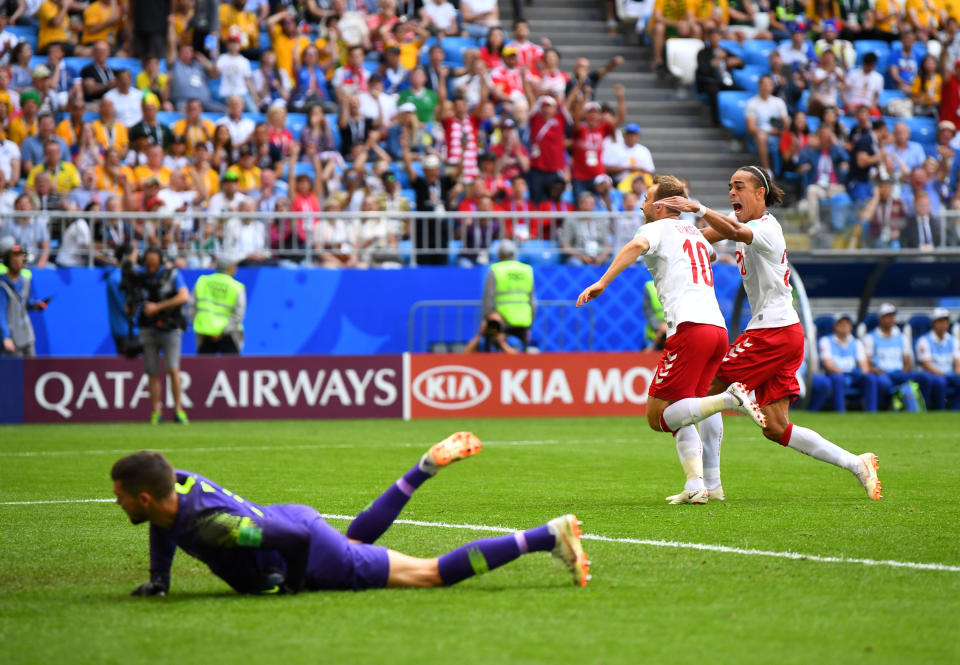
653, 418
774, 432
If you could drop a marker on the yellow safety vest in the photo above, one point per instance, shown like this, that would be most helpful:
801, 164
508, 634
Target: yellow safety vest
514, 282
216, 296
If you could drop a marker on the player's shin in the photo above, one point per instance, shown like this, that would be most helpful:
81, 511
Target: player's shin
694, 409
810, 443
374, 520
690, 451
711, 434
484, 555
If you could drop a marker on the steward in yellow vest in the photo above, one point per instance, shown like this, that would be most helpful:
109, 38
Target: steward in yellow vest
509, 290
217, 307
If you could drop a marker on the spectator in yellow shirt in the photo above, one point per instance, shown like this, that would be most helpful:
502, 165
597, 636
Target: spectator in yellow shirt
247, 172
194, 128
925, 16
55, 28
113, 176
927, 87
235, 20
25, 124
108, 132
62, 174
151, 79
154, 167
889, 15
203, 178
70, 128
672, 18
712, 13
102, 20
288, 44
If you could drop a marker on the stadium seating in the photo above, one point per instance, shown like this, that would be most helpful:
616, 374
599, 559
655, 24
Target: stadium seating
824, 325
922, 129
868, 324
453, 48
881, 48
748, 77
919, 325
682, 58
26, 33
757, 52
732, 47
732, 105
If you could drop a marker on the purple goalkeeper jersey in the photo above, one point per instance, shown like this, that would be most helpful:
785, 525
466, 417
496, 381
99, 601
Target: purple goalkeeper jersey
292, 540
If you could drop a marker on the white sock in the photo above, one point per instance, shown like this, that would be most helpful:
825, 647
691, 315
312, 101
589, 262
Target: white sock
690, 451
810, 443
711, 434
694, 409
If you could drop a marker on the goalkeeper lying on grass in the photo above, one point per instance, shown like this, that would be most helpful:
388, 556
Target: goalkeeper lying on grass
289, 548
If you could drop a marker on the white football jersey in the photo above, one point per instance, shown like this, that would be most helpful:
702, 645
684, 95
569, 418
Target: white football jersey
679, 260
766, 275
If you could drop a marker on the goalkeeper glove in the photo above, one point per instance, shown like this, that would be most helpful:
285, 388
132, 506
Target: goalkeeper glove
158, 586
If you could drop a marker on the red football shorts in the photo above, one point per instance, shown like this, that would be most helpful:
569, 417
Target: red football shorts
766, 360
689, 361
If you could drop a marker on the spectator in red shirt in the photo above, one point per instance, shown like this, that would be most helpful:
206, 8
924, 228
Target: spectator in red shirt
460, 129
549, 227
548, 154
507, 79
513, 157
588, 141
518, 228
490, 52
528, 53
950, 99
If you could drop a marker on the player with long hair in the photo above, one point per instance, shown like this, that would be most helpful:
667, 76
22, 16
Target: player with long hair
767, 355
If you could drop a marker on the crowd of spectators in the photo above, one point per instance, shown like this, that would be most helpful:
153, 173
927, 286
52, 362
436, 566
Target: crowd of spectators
856, 102
202, 110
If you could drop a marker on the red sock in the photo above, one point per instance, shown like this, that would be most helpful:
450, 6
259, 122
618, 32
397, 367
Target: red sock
785, 439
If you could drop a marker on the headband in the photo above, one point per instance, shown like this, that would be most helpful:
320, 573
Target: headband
763, 176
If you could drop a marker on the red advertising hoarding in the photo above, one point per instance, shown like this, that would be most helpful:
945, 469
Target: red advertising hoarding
550, 384
216, 388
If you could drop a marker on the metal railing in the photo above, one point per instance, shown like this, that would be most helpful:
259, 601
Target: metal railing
195, 238
455, 322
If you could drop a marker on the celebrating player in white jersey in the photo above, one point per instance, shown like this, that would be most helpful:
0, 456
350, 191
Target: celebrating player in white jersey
678, 257
767, 355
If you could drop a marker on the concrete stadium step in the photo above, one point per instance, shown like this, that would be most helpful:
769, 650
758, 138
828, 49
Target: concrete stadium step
546, 11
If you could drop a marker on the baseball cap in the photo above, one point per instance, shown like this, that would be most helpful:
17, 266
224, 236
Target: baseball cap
946, 124
508, 50
226, 260
632, 128
151, 181
602, 178
431, 162
231, 176
150, 99
41, 71
592, 106
407, 107
843, 315
831, 25
547, 99
886, 308
940, 313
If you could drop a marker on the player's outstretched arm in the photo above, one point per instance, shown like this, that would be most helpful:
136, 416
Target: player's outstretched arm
727, 227
626, 257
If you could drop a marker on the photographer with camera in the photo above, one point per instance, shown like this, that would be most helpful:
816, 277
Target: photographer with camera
16, 331
493, 337
123, 304
163, 293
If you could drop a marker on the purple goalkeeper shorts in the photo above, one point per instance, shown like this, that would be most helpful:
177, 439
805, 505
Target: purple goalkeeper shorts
334, 562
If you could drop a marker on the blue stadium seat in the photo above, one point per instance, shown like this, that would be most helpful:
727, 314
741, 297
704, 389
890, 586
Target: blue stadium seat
211, 116
870, 322
920, 325
215, 89
90, 116
848, 121
256, 117
168, 118
922, 129
371, 67
813, 123
265, 41
131, 64
757, 52
804, 100
748, 77
24, 33
824, 325
74, 65
38, 60
410, 195
881, 48
539, 253
296, 122
888, 96
930, 149
453, 48
732, 104
732, 47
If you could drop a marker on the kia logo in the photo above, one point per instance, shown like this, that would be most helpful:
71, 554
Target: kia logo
452, 387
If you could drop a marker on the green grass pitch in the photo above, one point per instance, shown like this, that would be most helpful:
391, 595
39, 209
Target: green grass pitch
66, 568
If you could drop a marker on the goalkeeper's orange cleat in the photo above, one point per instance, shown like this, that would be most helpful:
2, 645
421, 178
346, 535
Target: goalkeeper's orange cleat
566, 529
452, 449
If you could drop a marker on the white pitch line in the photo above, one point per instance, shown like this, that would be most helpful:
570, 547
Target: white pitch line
796, 556
306, 446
